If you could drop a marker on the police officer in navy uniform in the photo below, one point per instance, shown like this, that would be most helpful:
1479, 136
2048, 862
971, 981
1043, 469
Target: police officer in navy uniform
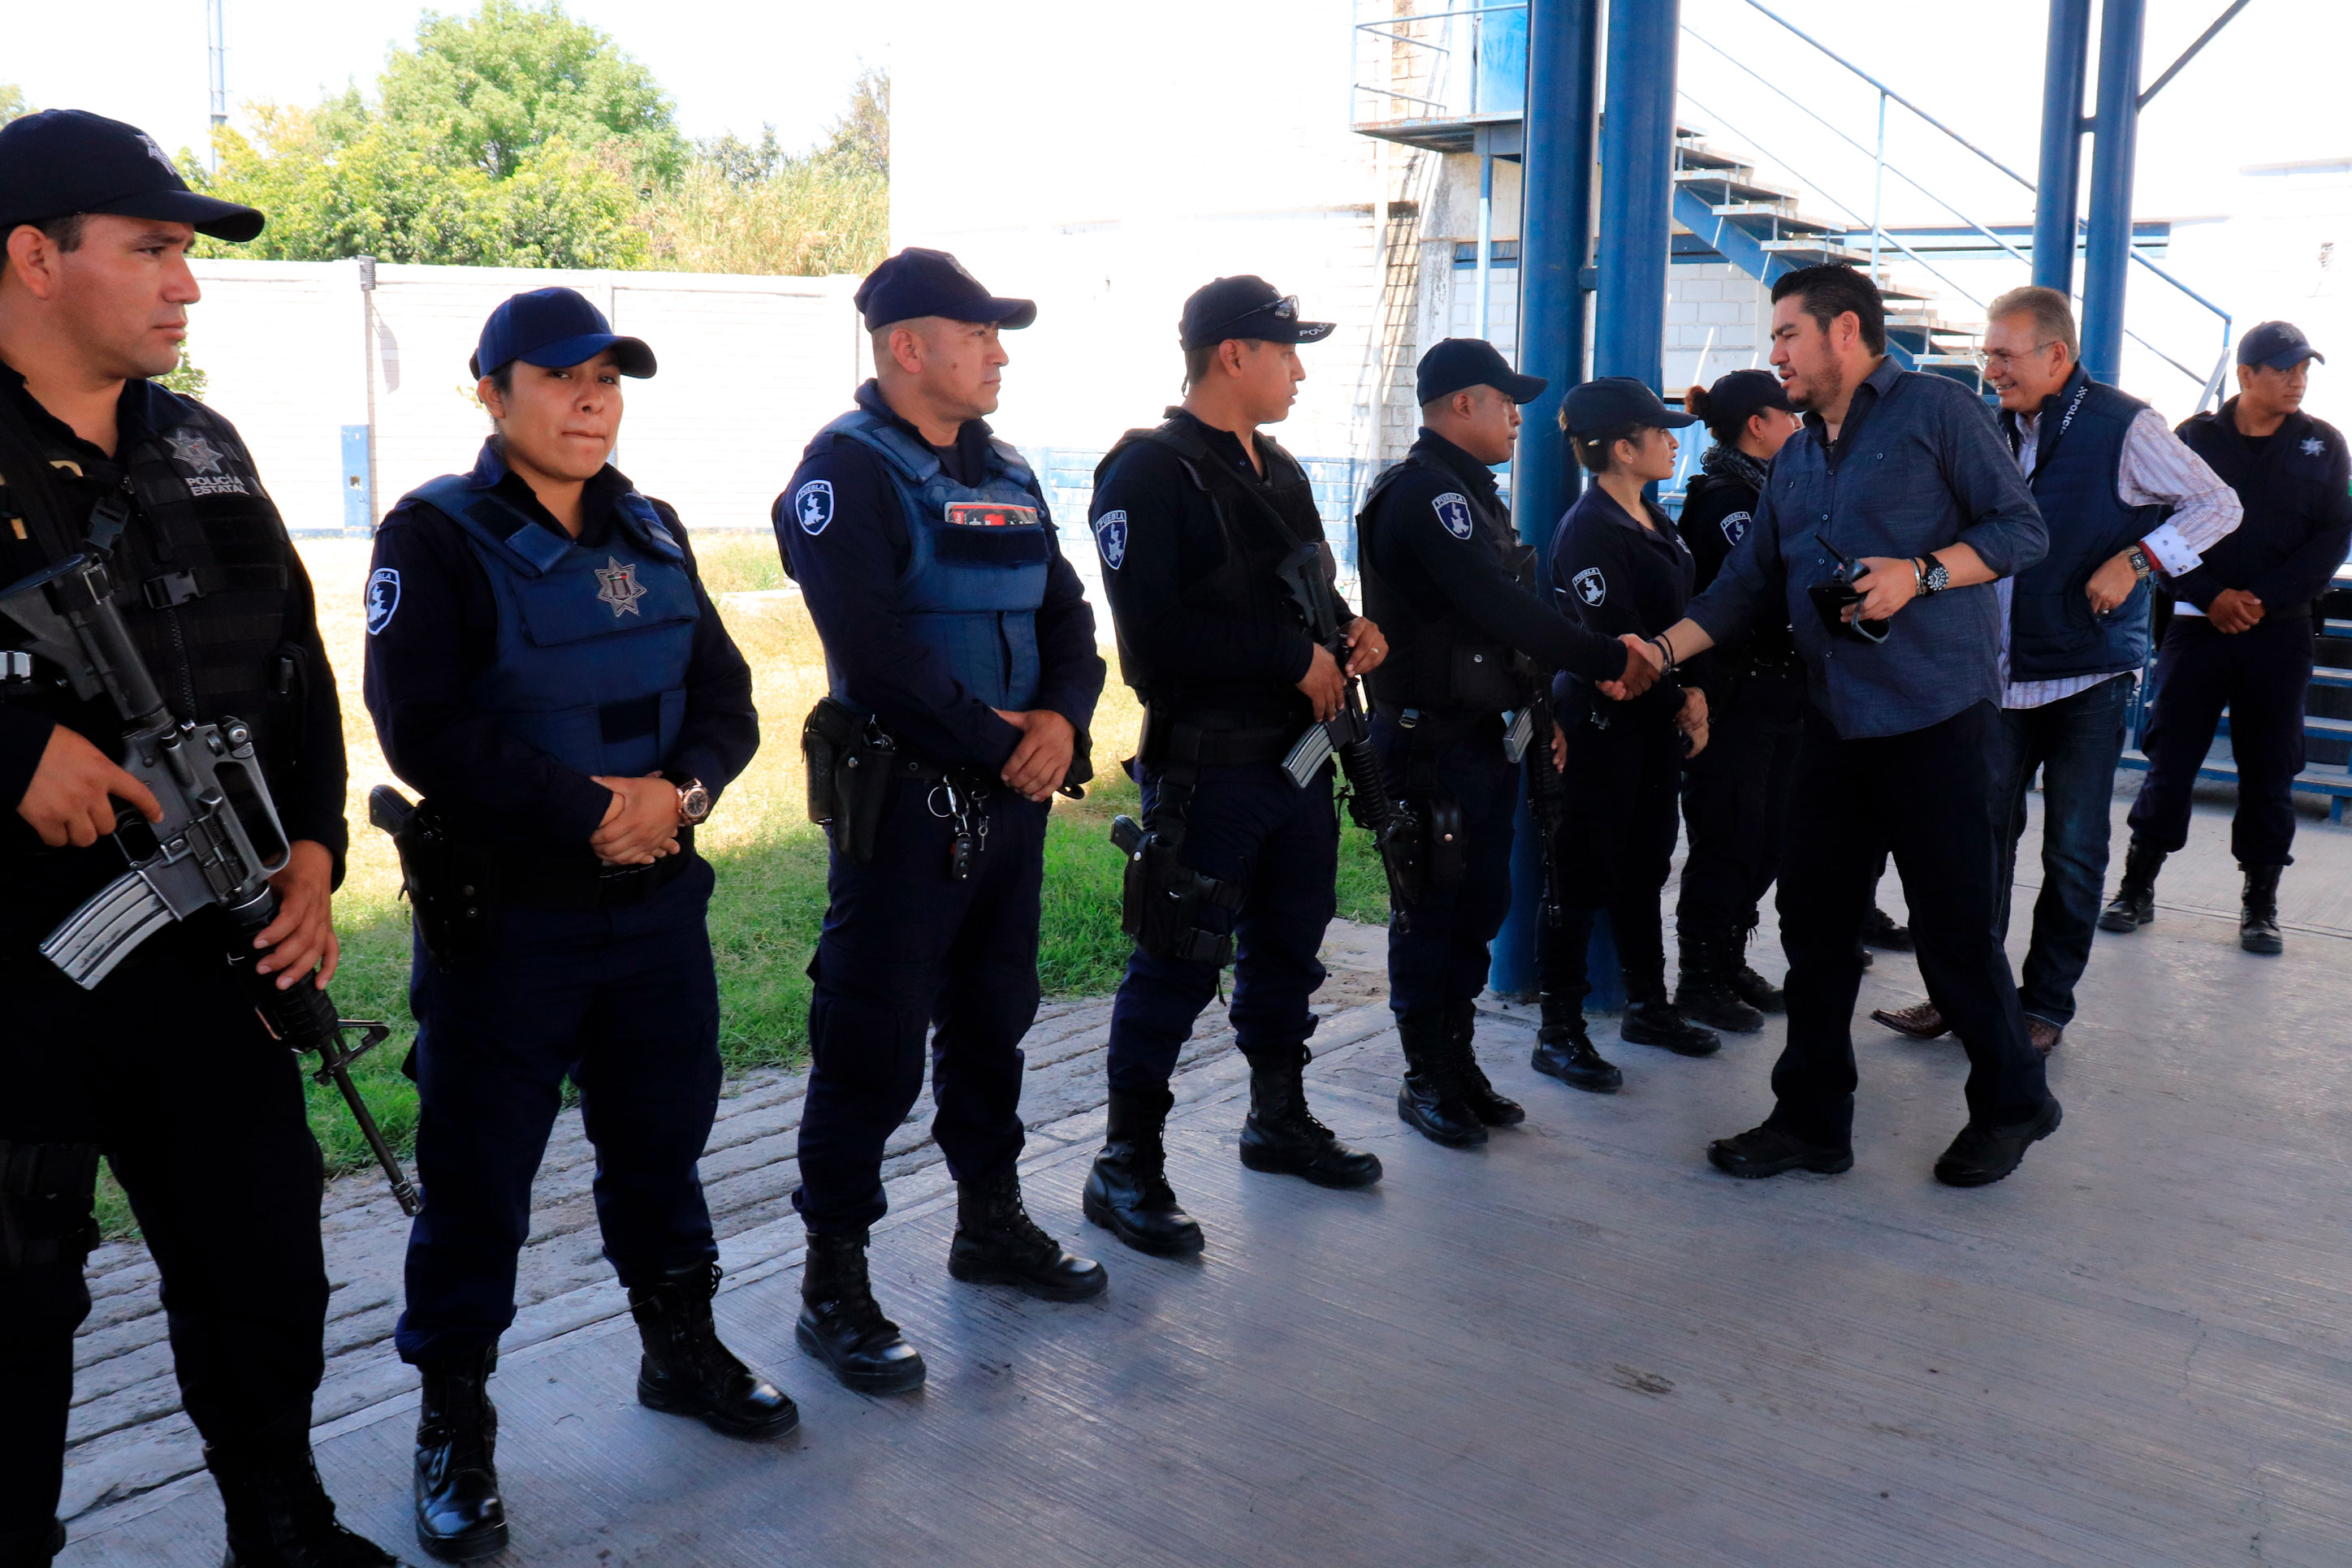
2240, 635
544, 665
1469, 633
1619, 561
1193, 518
164, 1066
960, 655
1735, 792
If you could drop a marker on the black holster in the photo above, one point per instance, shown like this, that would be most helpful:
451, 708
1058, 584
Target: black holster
850, 760
448, 883
47, 1192
1161, 898
1443, 851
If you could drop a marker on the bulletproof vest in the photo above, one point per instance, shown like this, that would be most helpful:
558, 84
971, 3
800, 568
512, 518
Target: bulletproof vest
2078, 451
592, 645
977, 558
199, 568
1260, 525
1443, 660
2288, 486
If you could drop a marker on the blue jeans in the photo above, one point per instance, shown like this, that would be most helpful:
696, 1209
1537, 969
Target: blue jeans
2074, 744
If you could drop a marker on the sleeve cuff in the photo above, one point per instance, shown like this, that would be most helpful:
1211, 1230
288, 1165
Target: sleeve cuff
24, 737
2171, 552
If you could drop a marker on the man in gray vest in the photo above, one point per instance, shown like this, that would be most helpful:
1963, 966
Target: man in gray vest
2125, 502
961, 659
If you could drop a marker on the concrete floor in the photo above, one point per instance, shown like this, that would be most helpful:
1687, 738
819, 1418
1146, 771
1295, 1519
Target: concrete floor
1579, 1346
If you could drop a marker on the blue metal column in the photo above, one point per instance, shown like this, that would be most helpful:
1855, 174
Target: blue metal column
1637, 191
1555, 237
2061, 181
2106, 256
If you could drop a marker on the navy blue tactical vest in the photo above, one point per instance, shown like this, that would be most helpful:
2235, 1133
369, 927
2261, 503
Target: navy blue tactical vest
976, 561
592, 645
2079, 447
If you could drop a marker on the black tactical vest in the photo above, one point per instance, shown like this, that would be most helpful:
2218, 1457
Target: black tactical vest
1444, 661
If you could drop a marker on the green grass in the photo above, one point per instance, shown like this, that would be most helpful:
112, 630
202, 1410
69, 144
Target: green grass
770, 860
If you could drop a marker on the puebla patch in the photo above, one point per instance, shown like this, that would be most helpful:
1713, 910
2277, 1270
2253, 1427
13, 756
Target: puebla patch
812, 504
1590, 586
1110, 538
1735, 528
382, 597
1453, 510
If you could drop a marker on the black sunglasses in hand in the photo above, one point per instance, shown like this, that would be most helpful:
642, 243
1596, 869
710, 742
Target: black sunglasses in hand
1832, 597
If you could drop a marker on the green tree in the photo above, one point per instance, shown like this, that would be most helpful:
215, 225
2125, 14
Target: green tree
860, 140
11, 103
500, 84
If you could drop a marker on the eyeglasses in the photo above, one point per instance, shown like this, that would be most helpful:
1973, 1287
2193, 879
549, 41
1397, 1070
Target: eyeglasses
2001, 359
1283, 309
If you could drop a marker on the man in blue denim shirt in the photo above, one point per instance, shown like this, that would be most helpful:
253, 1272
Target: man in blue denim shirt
1880, 531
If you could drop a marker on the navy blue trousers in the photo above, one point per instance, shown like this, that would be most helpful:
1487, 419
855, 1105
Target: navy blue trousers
2259, 676
1614, 851
625, 1004
1442, 955
1251, 823
909, 952
2074, 743
1736, 803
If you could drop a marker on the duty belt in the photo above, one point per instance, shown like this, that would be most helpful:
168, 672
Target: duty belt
529, 884
1202, 739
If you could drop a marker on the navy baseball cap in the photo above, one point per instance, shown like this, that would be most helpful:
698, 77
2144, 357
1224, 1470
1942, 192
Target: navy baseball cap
552, 327
919, 282
2281, 345
1245, 307
1738, 397
1608, 403
62, 161
1459, 363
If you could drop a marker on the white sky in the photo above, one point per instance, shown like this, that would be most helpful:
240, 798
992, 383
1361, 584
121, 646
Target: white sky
729, 64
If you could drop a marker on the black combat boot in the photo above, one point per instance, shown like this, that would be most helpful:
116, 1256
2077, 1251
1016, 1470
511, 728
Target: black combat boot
841, 1326
34, 1548
1651, 1020
1281, 1135
1128, 1192
1461, 1046
996, 1243
2258, 926
1754, 990
1879, 930
459, 1515
2134, 905
1563, 1049
1430, 1100
281, 1517
687, 1372
1703, 986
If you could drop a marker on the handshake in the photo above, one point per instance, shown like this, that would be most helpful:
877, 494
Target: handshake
1645, 662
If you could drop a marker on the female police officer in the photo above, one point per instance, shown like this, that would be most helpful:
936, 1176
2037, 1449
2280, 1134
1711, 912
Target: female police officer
1736, 795
1618, 562
544, 664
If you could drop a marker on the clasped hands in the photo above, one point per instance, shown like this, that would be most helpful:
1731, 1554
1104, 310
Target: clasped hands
641, 824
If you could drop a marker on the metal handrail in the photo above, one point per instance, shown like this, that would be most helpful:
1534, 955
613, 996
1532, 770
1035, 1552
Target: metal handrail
1381, 27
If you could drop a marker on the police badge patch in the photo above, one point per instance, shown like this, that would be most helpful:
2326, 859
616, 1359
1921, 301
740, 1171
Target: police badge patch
1590, 586
1735, 528
1110, 538
1453, 510
382, 597
2312, 446
617, 586
813, 503
205, 475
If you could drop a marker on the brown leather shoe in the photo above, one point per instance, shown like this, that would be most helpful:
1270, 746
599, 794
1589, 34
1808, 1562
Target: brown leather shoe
1921, 1021
2044, 1035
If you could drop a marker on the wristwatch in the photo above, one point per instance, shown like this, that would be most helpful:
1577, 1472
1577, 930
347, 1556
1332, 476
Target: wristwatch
693, 801
1934, 576
2142, 568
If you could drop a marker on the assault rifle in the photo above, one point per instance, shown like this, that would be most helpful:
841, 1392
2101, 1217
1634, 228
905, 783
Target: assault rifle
1348, 735
219, 843
1530, 737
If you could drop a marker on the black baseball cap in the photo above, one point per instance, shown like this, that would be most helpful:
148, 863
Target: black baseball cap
552, 327
1459, 363
62, 161
1738, 397
1245, 307
1607, 402
2281, 345
919, 282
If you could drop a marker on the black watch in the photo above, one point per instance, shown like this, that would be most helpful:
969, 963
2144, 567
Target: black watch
1934, 576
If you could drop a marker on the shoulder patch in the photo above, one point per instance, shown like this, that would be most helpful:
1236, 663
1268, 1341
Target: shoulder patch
382, 597
2312, 446
812, 504
1735, 526
1453, 509
1590, 586
1110, 538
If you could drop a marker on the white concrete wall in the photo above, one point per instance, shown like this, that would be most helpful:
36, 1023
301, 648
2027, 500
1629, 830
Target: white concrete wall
750, 368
